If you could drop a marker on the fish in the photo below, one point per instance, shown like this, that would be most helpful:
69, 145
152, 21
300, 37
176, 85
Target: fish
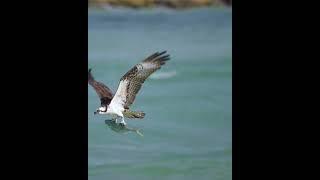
121, 128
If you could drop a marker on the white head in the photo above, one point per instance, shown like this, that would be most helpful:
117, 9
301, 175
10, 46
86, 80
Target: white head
101, 110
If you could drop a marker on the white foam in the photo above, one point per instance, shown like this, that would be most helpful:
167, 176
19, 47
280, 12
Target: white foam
163, 75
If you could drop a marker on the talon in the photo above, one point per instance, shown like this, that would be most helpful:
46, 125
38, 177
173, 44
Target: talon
122, 121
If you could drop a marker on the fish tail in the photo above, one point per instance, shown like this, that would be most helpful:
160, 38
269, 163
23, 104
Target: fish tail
138, 132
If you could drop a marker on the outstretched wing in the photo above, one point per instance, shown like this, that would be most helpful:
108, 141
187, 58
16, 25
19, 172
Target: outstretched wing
104, 93
131, 82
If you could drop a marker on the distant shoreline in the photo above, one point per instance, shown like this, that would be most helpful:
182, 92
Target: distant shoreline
174, 4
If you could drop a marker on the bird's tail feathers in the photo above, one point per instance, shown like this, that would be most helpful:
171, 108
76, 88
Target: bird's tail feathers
134, 114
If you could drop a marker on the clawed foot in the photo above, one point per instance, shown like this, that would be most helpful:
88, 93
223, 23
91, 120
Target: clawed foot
122, 122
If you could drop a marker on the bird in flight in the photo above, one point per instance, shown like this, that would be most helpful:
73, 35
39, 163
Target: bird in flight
117, 105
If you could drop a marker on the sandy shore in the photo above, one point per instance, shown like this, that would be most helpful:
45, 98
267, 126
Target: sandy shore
177, 4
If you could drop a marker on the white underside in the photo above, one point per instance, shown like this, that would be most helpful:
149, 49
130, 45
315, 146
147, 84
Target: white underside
115, 110
116, 106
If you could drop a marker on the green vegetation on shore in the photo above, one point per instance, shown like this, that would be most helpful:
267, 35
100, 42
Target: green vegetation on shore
155, 3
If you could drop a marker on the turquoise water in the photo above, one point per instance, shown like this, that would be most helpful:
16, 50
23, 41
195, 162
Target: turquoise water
188, 123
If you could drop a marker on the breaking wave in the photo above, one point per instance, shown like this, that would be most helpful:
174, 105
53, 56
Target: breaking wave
163, 75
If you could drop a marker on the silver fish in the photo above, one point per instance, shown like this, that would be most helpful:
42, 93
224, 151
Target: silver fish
121, 128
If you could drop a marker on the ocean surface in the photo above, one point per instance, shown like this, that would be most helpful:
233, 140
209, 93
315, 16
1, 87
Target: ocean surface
188, 125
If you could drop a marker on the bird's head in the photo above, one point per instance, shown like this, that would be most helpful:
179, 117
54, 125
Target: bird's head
101, 110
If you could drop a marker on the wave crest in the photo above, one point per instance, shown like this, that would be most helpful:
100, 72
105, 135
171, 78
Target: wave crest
163, 75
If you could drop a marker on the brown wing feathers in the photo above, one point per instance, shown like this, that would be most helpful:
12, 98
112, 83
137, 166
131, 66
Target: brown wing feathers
133, 80
139, 73
157, 57
104, 93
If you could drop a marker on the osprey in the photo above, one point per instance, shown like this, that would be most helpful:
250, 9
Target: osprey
117, 105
